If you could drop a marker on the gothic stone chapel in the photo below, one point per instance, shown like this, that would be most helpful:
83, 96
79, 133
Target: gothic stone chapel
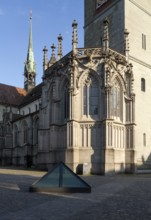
93, 106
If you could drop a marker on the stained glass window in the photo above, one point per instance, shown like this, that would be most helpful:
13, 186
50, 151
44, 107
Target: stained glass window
116, 100
90, 99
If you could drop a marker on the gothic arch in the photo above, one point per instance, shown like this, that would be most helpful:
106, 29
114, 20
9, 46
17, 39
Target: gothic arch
25, 132
88, 73
64, 96
56, 87
8, 127
35, 130
50, 87
16, 135
63, 82
117, 99
89, 84
120, 79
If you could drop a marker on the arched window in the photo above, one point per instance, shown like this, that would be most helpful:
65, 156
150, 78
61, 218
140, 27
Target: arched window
8, 128
25, 133
66, 103
35, 131
143, 85
90, 98
116, 100
93, 99
15, 135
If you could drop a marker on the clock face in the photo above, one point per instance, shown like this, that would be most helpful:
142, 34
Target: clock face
99, 3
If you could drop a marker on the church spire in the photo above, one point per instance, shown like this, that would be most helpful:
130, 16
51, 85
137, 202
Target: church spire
30, 66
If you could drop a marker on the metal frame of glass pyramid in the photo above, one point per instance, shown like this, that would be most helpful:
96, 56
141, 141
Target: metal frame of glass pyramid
60, 179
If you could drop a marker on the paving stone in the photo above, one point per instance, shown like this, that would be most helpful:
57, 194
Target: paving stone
113, 197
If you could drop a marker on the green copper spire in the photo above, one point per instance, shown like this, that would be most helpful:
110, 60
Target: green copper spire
30, 66
30, 63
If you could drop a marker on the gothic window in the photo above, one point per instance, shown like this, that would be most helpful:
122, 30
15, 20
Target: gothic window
66, 103
15, 135
8, 128
143, 85
116, 100
90, 98
93, 99
25, 133
35, 132
30, 77
144, 41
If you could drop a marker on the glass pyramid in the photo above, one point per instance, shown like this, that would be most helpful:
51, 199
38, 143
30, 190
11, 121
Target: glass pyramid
60, 179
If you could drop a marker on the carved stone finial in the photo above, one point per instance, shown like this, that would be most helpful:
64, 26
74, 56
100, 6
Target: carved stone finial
45, 59
60, 46
106, 34
53, 57
53, 49
74, 37
126, 44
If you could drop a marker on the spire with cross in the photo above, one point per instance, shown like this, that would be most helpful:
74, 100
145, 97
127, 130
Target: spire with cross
30, 66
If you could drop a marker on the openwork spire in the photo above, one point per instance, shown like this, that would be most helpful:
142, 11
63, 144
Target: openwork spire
74, 37
106, 34
60, 46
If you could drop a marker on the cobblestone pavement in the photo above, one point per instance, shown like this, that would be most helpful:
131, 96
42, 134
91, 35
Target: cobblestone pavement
113, 197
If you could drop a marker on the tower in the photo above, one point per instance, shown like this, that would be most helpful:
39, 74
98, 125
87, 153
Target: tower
30, 66
133, 17
95, 13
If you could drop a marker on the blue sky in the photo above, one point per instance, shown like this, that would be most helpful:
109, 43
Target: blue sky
50, 17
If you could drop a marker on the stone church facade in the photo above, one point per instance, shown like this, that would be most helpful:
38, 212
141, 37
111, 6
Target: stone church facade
93, 106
